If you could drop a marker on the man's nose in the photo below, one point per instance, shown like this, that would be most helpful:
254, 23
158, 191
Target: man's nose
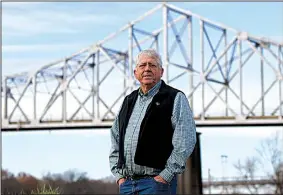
147, 67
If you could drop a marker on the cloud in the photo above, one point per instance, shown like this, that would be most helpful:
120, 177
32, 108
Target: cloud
36, 19
19, 5
31, 61
13, 66
31, 25
41, 47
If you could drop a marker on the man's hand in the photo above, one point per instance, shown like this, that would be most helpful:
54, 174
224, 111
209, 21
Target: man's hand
120, 181
160, 179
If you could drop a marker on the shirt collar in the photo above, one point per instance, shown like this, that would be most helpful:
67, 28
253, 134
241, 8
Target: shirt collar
152, 91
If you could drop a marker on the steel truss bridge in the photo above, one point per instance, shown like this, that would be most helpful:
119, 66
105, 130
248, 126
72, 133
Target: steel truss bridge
237, 181
230, 77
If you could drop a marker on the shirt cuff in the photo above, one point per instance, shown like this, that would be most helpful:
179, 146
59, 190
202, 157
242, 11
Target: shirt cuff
167, 175
118, 177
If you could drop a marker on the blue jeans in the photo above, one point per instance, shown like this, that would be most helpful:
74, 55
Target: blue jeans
148, 186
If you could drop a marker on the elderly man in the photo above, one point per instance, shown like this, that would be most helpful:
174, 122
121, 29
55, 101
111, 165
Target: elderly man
154, 133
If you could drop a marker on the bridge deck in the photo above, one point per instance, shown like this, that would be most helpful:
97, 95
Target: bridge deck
91, 124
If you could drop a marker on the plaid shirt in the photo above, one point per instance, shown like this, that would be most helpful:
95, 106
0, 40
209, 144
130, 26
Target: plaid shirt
184, 138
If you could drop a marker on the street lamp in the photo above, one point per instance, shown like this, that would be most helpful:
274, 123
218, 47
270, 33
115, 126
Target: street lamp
223, 162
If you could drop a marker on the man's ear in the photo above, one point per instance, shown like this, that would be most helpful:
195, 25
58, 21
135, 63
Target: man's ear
162, 70
135, 73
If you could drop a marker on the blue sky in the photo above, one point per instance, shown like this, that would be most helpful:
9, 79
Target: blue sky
35, 34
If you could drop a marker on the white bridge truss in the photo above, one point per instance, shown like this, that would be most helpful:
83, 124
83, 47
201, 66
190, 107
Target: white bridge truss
231, 78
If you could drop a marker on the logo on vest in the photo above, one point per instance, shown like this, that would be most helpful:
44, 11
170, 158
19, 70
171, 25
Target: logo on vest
157, 103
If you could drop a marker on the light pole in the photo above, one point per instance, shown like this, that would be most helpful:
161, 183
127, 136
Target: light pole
223, 162
209, 182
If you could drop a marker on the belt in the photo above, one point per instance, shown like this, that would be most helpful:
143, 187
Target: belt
137, 177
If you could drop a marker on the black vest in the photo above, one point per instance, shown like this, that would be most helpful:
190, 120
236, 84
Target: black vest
156, 132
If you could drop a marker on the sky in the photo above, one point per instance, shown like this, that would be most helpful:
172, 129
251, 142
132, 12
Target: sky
34, 34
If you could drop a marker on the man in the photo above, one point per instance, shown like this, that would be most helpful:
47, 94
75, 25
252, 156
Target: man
154, 133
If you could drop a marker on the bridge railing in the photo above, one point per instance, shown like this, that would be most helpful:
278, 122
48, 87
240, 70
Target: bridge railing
219, 179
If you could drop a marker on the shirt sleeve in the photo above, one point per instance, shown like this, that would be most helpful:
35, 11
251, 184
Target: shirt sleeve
114, 150
184, 138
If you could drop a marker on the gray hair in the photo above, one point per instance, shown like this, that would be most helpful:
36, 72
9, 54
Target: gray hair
151, 53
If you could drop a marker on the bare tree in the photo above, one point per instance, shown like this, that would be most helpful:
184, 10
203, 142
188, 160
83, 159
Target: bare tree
269, 160
247, 172
271, 153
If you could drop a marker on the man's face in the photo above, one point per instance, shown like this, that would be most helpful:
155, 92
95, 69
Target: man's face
147, 71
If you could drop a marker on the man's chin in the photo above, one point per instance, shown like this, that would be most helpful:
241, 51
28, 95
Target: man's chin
148, 82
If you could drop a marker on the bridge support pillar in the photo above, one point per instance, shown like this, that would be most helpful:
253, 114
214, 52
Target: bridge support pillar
190, 182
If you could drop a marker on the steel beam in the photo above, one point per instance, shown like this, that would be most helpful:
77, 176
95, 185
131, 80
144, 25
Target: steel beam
106, 125
165, 42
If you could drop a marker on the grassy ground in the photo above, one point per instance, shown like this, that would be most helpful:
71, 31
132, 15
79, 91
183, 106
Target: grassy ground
45, 190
